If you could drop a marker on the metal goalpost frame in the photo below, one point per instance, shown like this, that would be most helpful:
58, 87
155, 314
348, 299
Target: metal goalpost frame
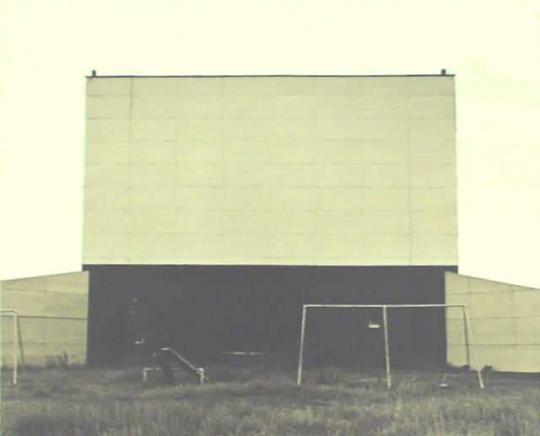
16, 340
384, 308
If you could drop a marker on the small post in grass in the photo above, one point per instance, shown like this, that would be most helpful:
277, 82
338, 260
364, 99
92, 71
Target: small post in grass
301, 354
386, 347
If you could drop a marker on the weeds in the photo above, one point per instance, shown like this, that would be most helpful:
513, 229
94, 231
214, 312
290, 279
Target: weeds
249, 401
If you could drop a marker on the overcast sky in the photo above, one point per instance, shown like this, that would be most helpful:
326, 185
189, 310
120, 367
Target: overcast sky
47, 47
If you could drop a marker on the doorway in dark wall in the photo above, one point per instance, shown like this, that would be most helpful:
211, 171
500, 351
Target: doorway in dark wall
205, 310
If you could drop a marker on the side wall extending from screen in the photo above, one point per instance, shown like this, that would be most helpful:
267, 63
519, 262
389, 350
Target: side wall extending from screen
53, 315
270, 170
505, 324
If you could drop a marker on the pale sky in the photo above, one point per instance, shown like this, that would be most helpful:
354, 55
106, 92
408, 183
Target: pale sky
47, 47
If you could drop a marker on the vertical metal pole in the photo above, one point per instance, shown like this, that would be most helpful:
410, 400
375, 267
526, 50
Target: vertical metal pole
466, 332
15, 341
301, 354
386, 348
21, 347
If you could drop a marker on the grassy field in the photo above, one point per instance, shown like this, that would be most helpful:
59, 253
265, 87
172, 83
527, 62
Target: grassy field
263, 401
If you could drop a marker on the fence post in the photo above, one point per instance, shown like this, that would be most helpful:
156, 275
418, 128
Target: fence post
386, 348
301, 354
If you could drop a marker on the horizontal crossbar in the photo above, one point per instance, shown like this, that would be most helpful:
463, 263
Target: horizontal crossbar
390, 306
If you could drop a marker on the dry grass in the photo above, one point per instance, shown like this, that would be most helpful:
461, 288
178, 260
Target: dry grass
263, 401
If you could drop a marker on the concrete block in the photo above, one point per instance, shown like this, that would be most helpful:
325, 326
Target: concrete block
106, 222
247, 198
387, 245
457, 298
153, 175
293, 176
106, 199
434, 156
106, 245
455, 283
107, 152
104, 175
376, 87
433, 222
434, 199
456, 355
422, 129
340, 223
291, 222
340, 129
478, 285
385, 221
192, 248
198, 199
153, 199
358, 106
301, 129
293, 246
336, 151
152, 221
62, 331
34, 355
107, 107
108, 87
341, 199
386, 152
156, 243
56, 354
432, 175
62, 304
329, 87
288, 199
386, 176
505, 358
285, 152
527, 330
25, 302
527, 358
243, 151
154, 87
455, 332
386, 199
337, 175
204, 129
107, 130
264, 87
149, 108
200, 108
153, 152
527, 303
333, 246
193, 89
434, 246
200, 223
199, 151
430, 86
34, 284
485, 305
241, 107
203, 175
146, 129
245, 249
383, 128
73, 283
31, 331
245, 223
430, 106
286, 107
495, 331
